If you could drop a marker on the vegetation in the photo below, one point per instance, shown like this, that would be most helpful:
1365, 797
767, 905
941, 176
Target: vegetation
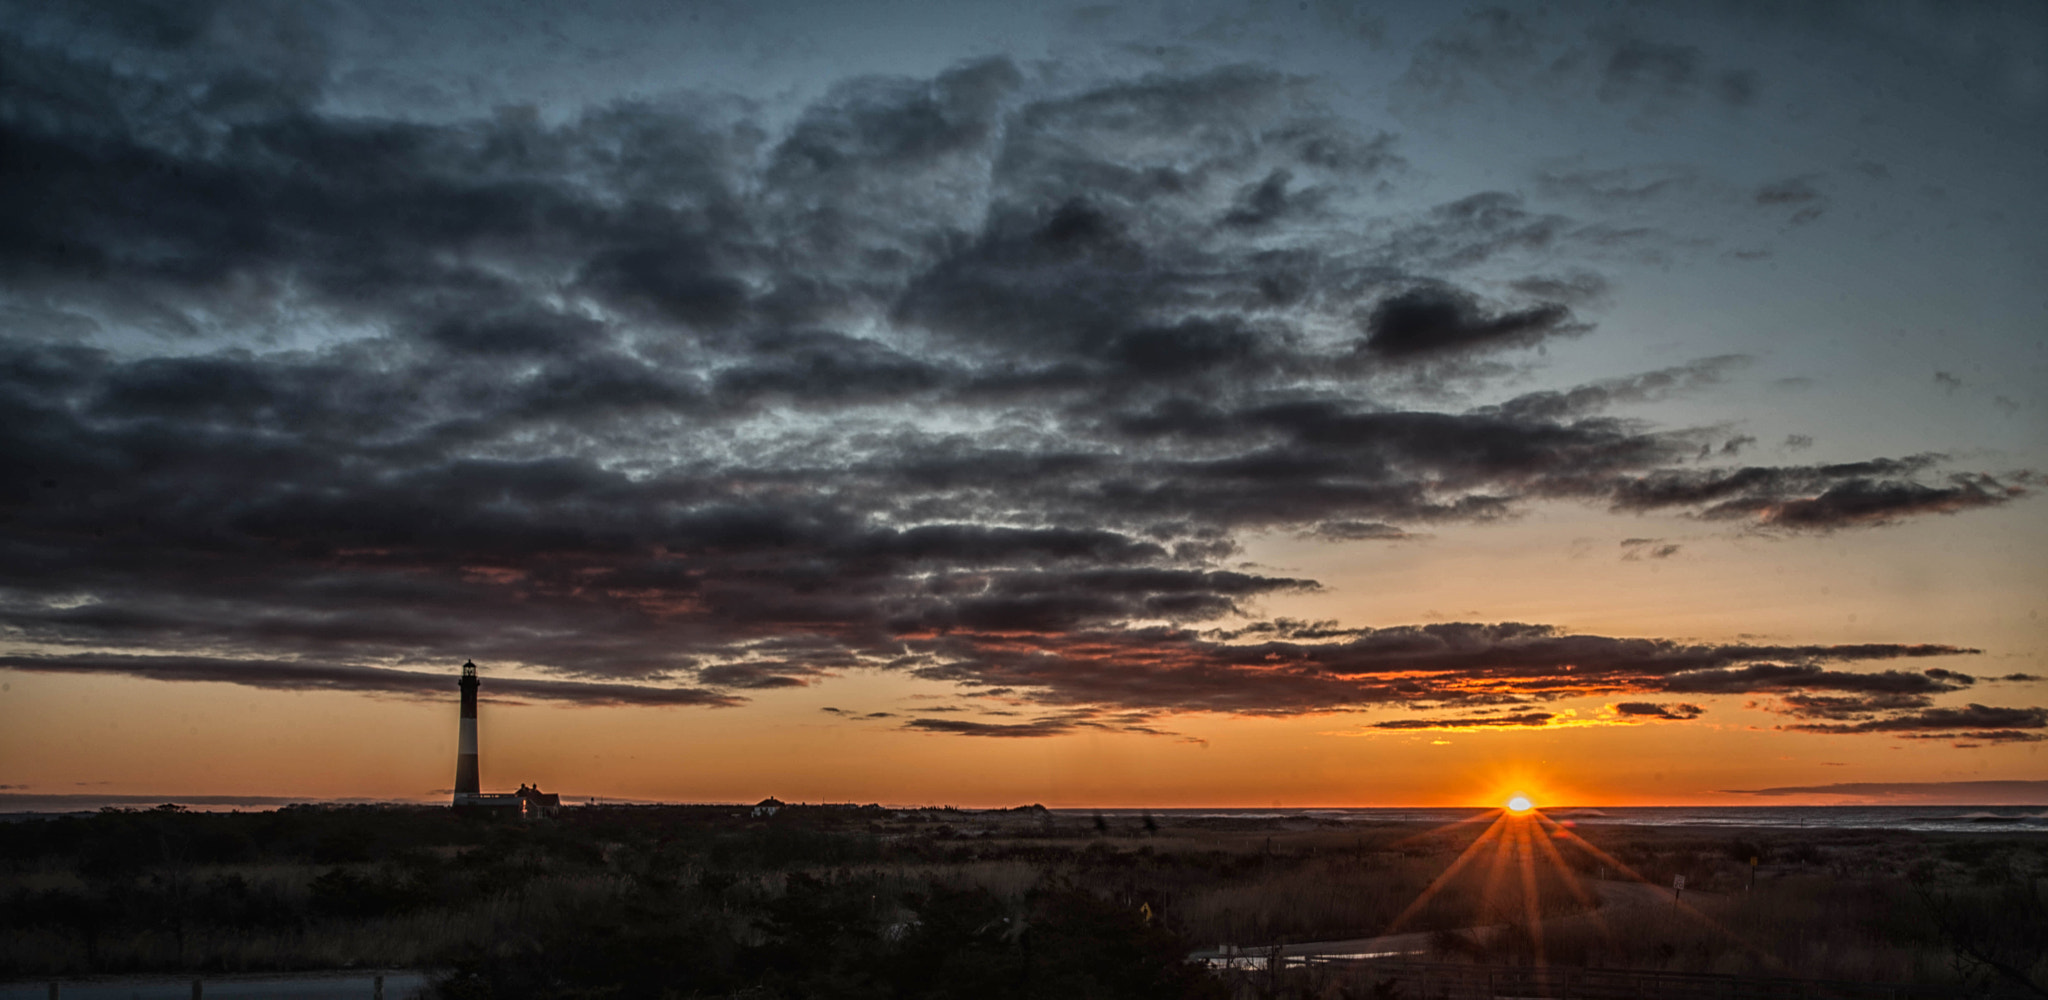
841, 901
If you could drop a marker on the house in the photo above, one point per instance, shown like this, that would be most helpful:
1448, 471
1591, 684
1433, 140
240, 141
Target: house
768, 807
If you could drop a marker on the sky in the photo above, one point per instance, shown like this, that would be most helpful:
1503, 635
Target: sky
1182, 404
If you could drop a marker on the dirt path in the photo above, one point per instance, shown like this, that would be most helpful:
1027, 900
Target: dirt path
1613, 896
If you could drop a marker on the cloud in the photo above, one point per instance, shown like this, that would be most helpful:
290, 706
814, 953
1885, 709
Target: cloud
1791, 191
1571, 288
1618, 184
1853, 707
982, 376
1521, 720
1038, 728
1650, 710
756, 675
1865, 502
1796, 193
1433, 320
1353, 531
292, 676
1634, 549
1635, 67
1979, 737
1950, 792
1988, 723
1448, 666
1519, 54
1765, 676
1811, 498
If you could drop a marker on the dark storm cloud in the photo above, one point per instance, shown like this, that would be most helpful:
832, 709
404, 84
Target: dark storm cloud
980, 377
1433, 320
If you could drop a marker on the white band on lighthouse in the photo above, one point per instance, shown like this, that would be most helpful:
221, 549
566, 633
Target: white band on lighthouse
468, 737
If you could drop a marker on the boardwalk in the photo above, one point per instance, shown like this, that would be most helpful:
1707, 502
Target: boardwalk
1395, 965
1613, 895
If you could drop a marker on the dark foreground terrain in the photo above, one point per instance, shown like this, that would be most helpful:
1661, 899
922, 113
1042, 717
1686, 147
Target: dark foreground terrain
867, 902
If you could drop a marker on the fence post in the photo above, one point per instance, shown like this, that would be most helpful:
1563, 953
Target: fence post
198, 990
377, 989
53, 989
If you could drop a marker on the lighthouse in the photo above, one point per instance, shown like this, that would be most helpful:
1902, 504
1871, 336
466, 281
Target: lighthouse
527, 802
468, 789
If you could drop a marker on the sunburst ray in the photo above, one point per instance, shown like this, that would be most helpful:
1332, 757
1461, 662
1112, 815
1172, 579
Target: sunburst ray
1436, 885
1532, 908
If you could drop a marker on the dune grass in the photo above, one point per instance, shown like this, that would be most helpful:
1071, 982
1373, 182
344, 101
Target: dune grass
146, 892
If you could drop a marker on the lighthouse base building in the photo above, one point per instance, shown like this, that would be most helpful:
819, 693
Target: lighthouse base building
526, 803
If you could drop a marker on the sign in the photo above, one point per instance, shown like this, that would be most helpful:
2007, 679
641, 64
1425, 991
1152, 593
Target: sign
1678, 882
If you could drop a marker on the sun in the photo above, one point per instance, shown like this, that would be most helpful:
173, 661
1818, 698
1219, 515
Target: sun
1520, 804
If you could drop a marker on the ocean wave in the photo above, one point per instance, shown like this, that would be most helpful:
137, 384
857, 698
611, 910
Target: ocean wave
1992, 817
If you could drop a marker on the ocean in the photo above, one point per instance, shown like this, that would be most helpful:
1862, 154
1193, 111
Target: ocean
1923, 818
1927, 819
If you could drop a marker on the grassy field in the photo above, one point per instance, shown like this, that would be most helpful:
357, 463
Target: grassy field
841, 901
